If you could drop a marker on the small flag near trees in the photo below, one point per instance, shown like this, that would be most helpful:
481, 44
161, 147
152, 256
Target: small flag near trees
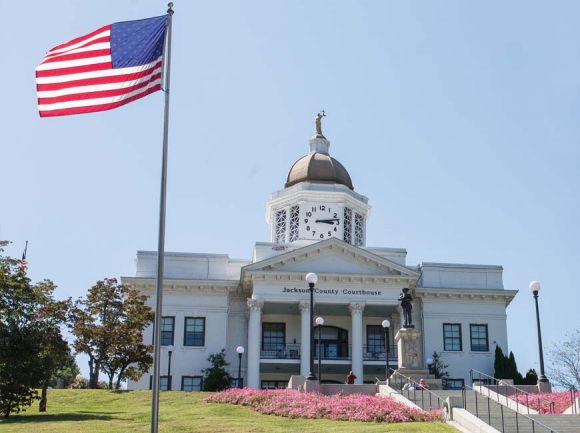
23, 263
112, 66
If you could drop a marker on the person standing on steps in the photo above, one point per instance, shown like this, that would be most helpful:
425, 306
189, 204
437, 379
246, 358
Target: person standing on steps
350, 378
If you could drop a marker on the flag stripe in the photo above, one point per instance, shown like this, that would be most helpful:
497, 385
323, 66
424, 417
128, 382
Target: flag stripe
92, 79
94, 92
95, 108
103, 98
76, 59
60, 82
65, 73
104, 69
80, 41
85, 51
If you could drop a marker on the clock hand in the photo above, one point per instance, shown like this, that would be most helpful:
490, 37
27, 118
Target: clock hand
329, 221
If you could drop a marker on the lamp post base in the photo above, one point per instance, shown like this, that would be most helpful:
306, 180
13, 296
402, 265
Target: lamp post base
542, 379
311, 376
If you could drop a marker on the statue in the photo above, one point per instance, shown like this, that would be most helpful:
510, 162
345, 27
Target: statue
407, 307
318, 122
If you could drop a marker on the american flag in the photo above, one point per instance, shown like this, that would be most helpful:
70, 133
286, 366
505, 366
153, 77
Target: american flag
23, 263
102, 70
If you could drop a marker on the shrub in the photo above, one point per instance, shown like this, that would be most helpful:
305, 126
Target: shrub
561, 401
310, 405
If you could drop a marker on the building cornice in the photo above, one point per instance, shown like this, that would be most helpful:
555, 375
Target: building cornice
492, 295
288, 276
145, 285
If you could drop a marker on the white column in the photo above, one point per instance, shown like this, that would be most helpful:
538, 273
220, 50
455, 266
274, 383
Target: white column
305, 327
253, 370
356, 310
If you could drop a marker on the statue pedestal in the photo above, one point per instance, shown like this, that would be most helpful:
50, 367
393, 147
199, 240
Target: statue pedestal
408, 344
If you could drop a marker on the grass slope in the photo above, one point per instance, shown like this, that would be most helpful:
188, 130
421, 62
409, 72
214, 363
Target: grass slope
91, 411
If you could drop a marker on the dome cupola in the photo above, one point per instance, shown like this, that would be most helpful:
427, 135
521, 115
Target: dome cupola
318, 166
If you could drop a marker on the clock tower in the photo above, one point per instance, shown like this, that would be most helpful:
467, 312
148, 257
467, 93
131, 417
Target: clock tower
318, 200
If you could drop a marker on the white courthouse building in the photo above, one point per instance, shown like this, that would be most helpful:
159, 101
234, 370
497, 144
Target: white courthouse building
318, 224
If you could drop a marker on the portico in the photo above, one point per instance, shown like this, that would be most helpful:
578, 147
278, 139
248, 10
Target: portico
353, 305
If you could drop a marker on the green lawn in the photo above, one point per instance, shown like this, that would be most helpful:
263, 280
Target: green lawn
89, 411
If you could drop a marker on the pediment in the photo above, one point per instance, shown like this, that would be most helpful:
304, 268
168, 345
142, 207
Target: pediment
332, 259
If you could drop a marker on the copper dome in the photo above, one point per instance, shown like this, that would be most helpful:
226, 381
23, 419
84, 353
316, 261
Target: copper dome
318, 168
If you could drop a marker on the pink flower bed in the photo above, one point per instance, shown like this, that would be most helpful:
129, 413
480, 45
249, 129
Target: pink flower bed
295, 404
561, 401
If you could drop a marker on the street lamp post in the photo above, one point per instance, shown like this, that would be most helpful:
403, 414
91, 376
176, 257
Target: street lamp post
170, 350
240, 351
535, 288
319, 322
311, 279
386, 325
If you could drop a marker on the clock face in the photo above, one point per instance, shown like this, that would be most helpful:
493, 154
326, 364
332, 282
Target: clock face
321, 221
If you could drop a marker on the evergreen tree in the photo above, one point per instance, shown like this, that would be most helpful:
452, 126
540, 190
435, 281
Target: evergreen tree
499, 364
438, 367
217, 377
512, 369
531, 377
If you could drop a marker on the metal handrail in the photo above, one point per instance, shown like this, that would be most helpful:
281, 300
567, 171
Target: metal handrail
534, 422
399, 379
498, 383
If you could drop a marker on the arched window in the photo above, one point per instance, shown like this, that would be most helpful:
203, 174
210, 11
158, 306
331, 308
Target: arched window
333, 342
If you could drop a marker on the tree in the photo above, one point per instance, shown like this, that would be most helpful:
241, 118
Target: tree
531, 378
512, 369
499, 364
108, 326
438, 367
507, 368
217, 377
65, 373
54, 348
564, 362
30, 336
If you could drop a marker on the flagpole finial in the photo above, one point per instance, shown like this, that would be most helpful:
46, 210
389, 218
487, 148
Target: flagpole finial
170, 6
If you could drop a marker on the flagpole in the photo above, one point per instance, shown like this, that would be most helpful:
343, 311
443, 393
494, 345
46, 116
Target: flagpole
161, 243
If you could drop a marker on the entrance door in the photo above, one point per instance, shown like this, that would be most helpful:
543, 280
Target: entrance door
333, 343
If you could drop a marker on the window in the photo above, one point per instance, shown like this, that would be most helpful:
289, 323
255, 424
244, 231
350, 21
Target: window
274, 384
358, 230
333, 343
194, 333
163, 383
280, 237
346, 233
234, 383
479, 341
191, 383
375, 339
294, 222
273, 336
453, 384
167, 330
452, 336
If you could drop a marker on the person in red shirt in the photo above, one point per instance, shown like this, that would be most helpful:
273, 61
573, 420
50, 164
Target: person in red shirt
350, 378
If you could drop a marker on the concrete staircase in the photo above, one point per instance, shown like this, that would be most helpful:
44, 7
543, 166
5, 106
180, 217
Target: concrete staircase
497, 415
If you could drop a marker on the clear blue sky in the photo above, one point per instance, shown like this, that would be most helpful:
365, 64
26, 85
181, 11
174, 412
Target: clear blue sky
459, 121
